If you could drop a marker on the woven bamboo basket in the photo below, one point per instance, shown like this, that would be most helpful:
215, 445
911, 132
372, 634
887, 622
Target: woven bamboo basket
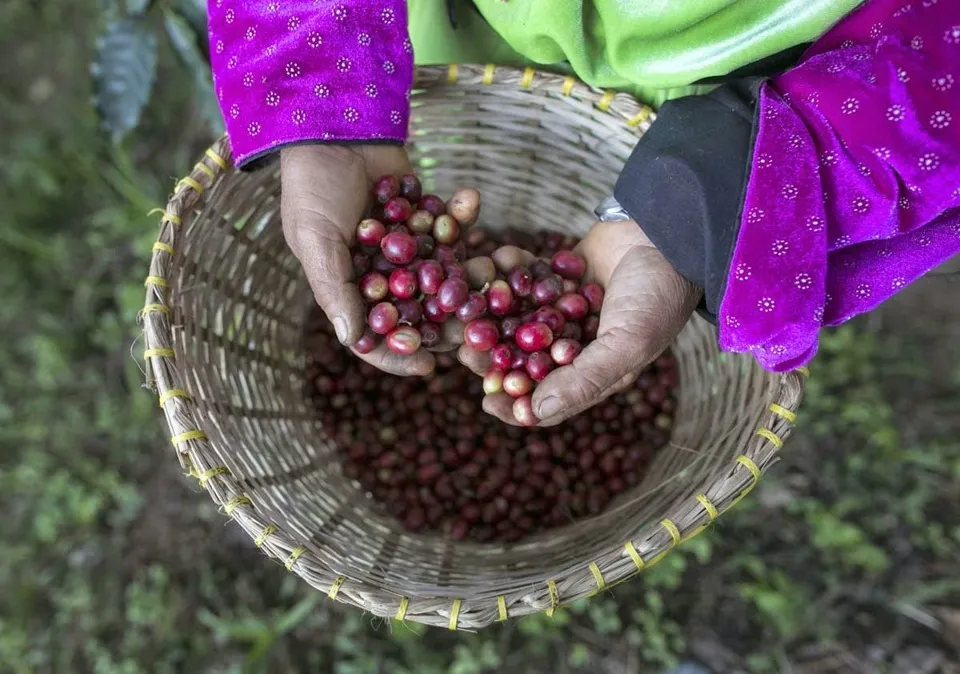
223, 345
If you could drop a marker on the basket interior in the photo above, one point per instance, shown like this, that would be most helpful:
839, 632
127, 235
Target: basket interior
540, 160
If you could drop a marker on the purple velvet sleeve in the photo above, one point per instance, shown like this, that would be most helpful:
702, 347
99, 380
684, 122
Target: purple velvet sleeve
854, 190
301, 70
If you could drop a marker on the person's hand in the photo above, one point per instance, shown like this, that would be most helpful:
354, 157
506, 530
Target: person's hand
325, 193
645, 306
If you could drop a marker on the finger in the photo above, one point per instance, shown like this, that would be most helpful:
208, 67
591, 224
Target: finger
634, 327
592, 377
320, 208
383, 160
626, 381
328, 266
477, 362
507, 257
464, 205
605, 246
500, 405
420, 363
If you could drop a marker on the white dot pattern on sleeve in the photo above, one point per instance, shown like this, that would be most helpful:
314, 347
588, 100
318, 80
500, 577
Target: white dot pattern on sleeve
850, 106
274, 89
888, 96
940, 120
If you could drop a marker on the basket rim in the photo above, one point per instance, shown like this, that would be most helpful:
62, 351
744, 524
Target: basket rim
644, 548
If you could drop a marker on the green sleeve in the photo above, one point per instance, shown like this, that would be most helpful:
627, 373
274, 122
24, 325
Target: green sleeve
653, 49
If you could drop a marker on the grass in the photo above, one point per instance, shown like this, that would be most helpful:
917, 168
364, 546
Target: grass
844, 558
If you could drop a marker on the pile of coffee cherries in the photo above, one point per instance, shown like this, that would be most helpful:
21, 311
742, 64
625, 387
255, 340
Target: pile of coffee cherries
425, 450
412, 274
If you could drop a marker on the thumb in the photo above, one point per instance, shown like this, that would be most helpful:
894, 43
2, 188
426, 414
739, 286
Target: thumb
322, 199
604, 366
646, 305
328, 266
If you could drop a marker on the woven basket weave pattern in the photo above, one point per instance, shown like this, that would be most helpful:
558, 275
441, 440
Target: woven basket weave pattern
224, 351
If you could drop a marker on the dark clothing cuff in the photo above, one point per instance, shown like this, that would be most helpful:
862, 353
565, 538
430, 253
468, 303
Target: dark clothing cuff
685, 181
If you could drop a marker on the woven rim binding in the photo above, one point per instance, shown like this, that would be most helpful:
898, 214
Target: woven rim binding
641, 550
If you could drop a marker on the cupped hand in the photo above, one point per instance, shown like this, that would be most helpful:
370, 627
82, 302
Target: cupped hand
645, 306
325, 193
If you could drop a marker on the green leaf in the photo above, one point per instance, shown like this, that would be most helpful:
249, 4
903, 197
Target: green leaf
195, 14
298, 613
138, 7
578, 655
123, 72
182, 38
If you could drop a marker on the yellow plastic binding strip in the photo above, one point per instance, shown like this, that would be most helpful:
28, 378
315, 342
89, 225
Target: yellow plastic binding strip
696, 532
488, 73
206, 169
161, 247
455, 614
294, 556
235, 503
749, 464
711, 509
173, 393
771, 436
639, 118
262, 538
671, 529
502, 607
335, 587
207, 474
604, 103
554, 597
154, 308
402, 611
452, 73
167, 215
568, 85
634, 555
156, 281
527, 78
597, 576
190, 182
217, 159
159, 353
189, 435
783, 412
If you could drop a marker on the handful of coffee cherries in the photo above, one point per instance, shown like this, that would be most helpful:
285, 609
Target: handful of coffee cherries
410, 258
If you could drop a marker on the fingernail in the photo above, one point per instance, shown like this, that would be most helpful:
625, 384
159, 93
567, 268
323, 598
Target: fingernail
549, 407
340, 326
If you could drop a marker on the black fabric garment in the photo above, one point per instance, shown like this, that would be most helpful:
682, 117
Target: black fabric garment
684, 182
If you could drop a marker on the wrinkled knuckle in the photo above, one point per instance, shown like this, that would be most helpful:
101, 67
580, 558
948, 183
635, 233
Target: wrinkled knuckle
325, 240
588, 384
622, 339
640, 339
